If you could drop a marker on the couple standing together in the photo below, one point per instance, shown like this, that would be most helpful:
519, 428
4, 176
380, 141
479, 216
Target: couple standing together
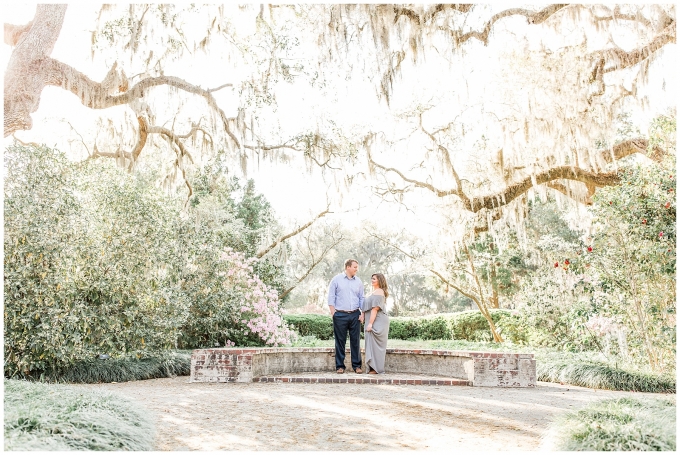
349, 309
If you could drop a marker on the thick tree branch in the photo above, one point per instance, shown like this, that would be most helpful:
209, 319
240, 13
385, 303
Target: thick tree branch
617, 15
533, 17
514, 190
175, 138
266, 250
143, 134
13, 33
96, 95
23, 82
618, 59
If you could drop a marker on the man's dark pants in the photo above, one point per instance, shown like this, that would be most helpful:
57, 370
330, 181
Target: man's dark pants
342, 322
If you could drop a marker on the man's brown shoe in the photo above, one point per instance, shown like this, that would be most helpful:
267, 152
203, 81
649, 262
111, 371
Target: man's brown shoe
358, 370
340, 370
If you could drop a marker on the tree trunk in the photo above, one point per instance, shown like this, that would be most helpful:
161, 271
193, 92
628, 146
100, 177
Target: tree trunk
27, 74
494, 286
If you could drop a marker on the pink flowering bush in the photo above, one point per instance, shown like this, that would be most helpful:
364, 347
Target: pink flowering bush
229, 303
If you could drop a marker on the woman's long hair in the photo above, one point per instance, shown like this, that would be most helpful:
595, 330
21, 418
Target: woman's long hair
382, 282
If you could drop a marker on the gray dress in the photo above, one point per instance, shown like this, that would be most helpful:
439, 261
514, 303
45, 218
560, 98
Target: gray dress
376, 341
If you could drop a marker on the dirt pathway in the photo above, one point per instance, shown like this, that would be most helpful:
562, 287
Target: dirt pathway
350, 416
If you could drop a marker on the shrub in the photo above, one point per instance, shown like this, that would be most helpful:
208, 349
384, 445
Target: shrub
82, 273
622, 424
59, 417
99, 261
306, 325
230, 304
467, 325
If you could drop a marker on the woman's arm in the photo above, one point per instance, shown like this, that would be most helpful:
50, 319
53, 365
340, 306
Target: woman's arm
374, 313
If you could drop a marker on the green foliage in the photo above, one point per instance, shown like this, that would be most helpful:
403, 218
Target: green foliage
555, 311
634, 256
82, 270
311, 341
424, 328
467, 325
619, 424
164, 365
472, 326
611, 290
59, 417
98, 261
306, 325
235, 216
500, 269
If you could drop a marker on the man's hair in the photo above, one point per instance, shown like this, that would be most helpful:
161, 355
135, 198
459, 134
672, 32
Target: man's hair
349, 262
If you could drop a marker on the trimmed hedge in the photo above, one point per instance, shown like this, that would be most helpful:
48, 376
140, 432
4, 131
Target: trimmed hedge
466, 325
305, 325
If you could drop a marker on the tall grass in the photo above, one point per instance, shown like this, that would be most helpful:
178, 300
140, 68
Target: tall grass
623, 424
586, 372
59, 417
169, 364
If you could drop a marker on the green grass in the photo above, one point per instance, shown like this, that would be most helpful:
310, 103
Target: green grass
59, 417
623, 424
169, 364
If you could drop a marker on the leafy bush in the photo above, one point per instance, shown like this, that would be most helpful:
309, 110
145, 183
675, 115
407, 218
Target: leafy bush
614, 288
59, 417
467, 325
319, 326
83, 263
230, 305
621, 424
98, 261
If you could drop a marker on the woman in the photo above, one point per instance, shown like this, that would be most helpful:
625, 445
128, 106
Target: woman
377, 325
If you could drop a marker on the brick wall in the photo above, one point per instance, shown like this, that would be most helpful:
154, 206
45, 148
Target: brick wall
479, 368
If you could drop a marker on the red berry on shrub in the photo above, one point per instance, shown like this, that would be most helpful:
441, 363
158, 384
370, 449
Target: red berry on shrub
668, 204
566, 262
660, 234
557, 264
590, 248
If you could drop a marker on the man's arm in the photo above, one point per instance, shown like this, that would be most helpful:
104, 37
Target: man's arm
331, 296
361, 303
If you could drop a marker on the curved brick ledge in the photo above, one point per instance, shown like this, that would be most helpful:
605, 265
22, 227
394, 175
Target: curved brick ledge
486, 369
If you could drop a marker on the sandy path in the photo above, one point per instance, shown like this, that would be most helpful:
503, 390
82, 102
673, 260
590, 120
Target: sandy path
348, 416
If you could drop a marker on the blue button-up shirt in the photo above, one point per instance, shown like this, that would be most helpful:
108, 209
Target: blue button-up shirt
346, 294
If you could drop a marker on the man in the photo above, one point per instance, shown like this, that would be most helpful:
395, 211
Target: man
345, 298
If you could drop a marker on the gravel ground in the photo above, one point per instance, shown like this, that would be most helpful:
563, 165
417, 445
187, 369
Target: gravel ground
297, 416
